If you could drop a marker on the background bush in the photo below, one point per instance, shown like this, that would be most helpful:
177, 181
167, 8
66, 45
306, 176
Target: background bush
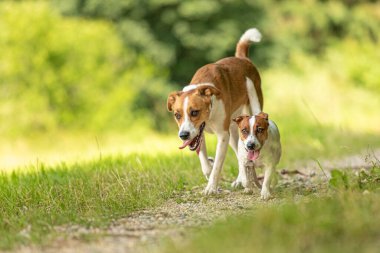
105, 65
184, 35
58, 72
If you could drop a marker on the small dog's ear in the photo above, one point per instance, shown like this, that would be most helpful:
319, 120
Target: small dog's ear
263, 115
239, 119
172, 98
205, 90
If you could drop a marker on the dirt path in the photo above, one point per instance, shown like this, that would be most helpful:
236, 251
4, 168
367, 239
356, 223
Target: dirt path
143, 231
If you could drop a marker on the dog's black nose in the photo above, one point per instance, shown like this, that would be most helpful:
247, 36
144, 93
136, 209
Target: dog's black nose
184, 135
251, 145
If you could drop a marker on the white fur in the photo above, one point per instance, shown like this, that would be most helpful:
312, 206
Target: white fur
252, 137
216, 117
189, 87
187, 125
234, 138
252, 34
221, 149
270, 154
205, 162
213, 125
253, 98
194, 86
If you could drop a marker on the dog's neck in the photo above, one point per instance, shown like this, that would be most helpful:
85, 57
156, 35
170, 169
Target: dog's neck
211, 107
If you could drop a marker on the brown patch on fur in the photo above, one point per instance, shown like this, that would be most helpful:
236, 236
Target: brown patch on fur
171, 99
242, 49
229, 77
243, 124
260, 128
199, 100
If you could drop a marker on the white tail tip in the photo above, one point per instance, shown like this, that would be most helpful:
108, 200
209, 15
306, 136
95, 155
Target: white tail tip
252, 34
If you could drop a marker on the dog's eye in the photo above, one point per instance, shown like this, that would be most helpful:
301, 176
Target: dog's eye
244, 131
194, 113
260, 129
177, 116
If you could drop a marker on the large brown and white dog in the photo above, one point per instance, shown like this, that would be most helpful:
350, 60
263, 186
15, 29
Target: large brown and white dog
217, 93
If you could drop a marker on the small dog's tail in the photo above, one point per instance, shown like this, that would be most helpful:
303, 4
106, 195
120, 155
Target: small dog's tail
242, 47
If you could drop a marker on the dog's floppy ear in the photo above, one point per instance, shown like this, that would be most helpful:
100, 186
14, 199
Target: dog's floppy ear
239, 119
172, 98
208, 90
263, 115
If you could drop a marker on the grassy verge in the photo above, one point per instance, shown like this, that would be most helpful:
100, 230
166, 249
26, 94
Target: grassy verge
33, 201
341, 216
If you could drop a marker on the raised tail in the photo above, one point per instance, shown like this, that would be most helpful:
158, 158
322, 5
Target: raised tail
242, 47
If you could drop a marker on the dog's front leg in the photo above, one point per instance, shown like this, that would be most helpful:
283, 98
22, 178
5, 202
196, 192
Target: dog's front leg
205, 162
247, 181
221, 150
265, 190
242, 160
238, 182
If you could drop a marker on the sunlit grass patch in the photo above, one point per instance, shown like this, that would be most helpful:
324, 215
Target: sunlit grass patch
94, 193
77, 146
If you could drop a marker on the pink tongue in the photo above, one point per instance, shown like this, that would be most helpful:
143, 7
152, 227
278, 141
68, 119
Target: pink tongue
253, 154
185, 144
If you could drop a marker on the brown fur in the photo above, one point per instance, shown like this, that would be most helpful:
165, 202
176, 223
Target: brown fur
261, 121
243, 124
242, 49
229, 77
199, 99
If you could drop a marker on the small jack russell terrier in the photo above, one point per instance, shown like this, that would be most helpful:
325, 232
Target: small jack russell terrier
259, 146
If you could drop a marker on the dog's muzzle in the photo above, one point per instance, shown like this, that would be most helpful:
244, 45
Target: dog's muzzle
196, 142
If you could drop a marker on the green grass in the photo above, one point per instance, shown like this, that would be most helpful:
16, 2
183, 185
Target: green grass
89, 194
35, 199
341, 216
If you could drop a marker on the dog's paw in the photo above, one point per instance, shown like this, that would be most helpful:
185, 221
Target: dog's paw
265, 194
236, 184
210, 189
248, 190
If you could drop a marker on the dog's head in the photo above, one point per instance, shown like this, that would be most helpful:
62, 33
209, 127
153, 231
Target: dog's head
191, 109
253, 132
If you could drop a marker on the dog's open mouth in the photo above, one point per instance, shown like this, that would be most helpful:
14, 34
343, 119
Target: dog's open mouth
195, 144
253, 154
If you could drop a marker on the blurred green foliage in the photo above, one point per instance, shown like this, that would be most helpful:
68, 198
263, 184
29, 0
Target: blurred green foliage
58, 72
92, 64
185, 35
